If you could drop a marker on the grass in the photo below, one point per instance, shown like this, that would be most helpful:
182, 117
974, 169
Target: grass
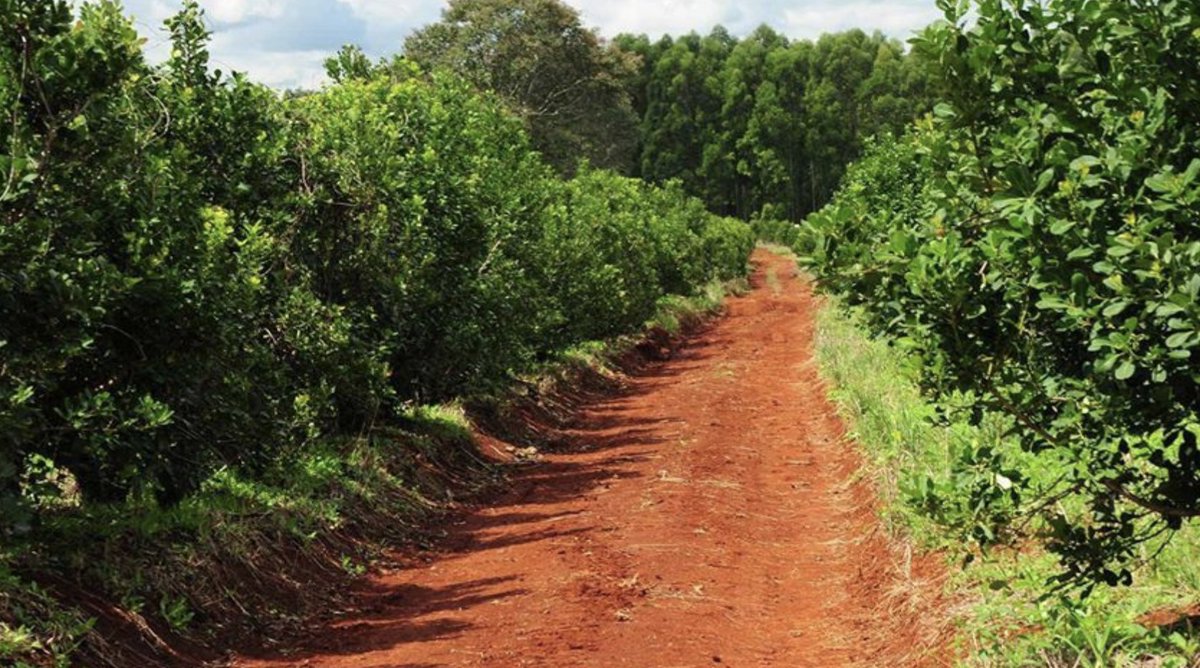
778, 249
259, 554
673, 315
17, 641
1006, 617
773, 282
675, 312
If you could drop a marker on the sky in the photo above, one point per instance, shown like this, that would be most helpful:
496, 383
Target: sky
283, 43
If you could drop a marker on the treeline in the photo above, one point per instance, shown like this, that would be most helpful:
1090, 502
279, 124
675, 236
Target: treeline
761, 125
1035, 242
197, 275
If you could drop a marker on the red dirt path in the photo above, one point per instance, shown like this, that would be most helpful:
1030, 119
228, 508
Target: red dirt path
708, 515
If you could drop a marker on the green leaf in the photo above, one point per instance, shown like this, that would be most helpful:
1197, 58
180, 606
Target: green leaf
1162, 183
1116, 308
1061, 227
1085, 162
1179, 340
1053, 304
1125, 371
21, 396
1190, 174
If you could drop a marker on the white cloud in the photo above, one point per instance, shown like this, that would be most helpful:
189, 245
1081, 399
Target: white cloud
236, 11
388, 22
674, 17
284, 42
151, 13
795, 18
896, 19
282, 69
406, 12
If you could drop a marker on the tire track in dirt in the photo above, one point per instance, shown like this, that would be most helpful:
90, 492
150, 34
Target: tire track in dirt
709, 515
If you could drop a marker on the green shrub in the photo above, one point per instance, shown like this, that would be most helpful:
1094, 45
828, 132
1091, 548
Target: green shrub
423, 209
133, 343
727, 244
197, 275
781, 232
1036, 242
616, 245
602, 252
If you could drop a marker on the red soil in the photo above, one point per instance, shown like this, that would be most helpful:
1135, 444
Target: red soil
709, 514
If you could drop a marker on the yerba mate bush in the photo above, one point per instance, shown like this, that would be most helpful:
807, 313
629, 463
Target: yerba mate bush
1037, 242
618, 244
197, 275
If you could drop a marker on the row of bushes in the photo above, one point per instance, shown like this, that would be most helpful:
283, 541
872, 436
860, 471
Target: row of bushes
779, 232
196, 274
1035, 242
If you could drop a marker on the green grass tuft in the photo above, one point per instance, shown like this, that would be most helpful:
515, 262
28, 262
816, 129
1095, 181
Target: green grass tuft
1008, 619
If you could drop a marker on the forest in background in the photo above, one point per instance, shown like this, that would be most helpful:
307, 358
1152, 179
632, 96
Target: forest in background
760, 125
764, 126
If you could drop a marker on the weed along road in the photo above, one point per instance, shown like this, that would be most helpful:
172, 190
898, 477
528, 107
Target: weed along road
710, 513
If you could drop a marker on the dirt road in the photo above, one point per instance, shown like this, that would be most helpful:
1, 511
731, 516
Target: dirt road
709, 515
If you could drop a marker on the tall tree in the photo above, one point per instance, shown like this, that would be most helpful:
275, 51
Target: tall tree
563, 79
735, 159
764, 125
683, 106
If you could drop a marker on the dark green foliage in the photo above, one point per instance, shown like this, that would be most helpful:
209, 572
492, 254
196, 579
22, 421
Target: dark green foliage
134, 352
765, 122
780, 232
550, 70
726, 243
197, 275
423, 230
617, 244
1037, 241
